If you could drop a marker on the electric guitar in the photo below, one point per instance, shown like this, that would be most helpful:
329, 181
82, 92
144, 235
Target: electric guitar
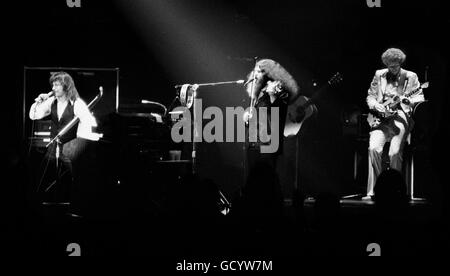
392, 105
302, 108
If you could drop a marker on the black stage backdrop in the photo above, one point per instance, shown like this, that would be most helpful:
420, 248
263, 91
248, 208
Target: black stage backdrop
158, 44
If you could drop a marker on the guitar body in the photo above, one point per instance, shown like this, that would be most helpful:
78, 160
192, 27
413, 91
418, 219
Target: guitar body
303, 108
374, 118
294, 121
392, 105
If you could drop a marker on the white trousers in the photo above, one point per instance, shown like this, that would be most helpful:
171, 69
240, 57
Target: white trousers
376, 144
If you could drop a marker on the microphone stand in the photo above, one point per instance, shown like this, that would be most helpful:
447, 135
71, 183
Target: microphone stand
411, 173
75, 120
72, 123
194, 144
194, 88
171, 105
246, 141
214, 83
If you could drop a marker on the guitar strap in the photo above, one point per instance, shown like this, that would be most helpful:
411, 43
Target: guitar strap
381, 87
405, 80
408, 123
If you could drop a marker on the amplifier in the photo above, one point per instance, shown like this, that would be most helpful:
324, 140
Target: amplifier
40, 133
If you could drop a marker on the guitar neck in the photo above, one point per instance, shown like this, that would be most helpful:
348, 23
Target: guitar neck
414, 92
406, 95
316, 95
308, 103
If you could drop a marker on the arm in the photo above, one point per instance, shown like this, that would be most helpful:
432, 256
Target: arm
40, 110
413, 83
372, 93
87, 120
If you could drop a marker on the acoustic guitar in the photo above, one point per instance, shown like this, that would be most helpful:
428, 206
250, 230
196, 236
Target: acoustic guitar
302, 108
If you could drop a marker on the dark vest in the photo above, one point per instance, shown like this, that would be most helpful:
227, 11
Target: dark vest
58, 125
264, 101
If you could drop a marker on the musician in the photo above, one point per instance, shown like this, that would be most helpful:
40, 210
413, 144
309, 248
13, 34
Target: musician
389, 83
63, 104
271, 86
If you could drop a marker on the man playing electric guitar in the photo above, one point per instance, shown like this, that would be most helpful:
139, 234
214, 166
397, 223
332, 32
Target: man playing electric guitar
395, 85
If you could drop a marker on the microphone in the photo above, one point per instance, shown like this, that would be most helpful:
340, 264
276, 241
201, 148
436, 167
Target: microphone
242, 58
249, 81
40, 100
195, 86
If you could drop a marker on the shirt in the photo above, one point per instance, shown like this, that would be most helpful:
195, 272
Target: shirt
87, 120
381, 86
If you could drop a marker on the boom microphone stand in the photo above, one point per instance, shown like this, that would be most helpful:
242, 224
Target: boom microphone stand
187, 96
72, 123
252, 102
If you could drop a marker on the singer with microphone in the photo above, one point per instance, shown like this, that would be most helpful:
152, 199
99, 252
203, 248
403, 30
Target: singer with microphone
62, 105
270, 88
268, 85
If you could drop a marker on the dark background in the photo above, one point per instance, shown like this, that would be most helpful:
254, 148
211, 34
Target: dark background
157, 44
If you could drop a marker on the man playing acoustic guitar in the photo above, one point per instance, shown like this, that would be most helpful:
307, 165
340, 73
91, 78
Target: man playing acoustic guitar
391, 97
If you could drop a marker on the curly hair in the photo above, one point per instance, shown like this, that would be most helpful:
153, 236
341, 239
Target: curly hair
392, 55
273, 71
67, 82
